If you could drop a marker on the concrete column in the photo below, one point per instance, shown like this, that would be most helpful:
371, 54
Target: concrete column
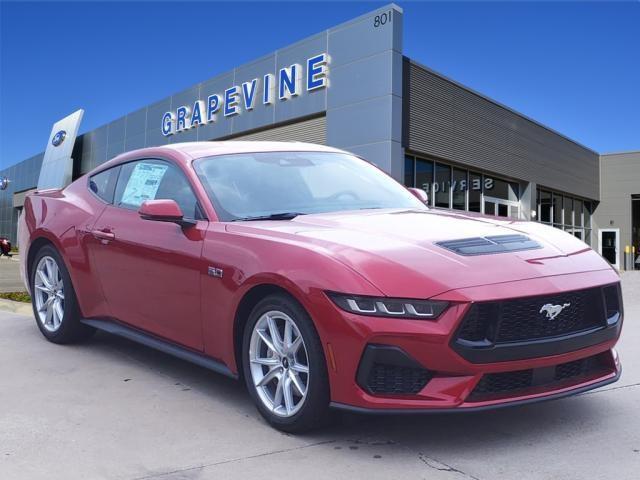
528, 200
364, 101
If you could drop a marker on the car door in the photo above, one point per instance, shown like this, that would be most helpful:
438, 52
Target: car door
150, 270
100, 189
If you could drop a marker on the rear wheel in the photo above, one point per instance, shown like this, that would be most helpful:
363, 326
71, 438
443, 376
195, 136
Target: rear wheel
54, 301
284, 366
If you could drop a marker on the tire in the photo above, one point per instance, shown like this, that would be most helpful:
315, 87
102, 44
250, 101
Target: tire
61, 322
309, 411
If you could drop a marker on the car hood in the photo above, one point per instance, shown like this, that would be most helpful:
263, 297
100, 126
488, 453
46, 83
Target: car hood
397, 251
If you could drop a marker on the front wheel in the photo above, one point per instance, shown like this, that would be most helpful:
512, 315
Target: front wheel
284, 365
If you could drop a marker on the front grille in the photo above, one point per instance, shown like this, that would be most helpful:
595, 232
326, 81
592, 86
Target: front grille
392, 379
525, 319
480, 322
495, 385
522, 319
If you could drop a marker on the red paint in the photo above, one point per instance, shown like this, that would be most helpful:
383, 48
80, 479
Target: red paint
153, 275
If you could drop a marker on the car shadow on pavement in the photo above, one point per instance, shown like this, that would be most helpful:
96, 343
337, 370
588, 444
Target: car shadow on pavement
176, 371
469, 432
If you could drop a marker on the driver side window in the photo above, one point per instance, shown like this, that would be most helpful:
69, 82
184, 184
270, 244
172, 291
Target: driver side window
155, 180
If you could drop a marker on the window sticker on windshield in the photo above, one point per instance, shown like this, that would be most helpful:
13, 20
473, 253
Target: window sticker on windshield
143, 183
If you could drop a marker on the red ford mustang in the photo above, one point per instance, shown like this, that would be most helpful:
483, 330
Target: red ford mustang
320, 281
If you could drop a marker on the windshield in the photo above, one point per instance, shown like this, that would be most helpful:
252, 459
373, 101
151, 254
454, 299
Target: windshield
285, 184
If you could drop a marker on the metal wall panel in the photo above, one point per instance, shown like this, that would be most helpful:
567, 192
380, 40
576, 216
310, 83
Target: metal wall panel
446, 120
313, 130
619, 180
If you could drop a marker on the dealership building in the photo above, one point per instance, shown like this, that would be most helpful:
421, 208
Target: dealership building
352, 87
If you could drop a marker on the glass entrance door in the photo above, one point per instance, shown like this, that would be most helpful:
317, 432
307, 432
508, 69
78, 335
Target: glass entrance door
609, 245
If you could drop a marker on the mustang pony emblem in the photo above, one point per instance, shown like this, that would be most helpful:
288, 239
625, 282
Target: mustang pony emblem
553, 311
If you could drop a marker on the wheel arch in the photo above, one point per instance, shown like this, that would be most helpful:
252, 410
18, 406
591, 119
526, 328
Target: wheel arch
249, 300
34, 247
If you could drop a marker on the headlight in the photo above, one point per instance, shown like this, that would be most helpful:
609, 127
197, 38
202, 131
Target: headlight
389, 307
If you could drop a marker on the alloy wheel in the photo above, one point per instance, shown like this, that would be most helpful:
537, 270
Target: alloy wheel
49, 294
279, 363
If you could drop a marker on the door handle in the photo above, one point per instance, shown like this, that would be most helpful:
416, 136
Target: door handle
104, 236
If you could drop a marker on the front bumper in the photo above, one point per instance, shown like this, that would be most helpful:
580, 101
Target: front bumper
453, 378
472, 407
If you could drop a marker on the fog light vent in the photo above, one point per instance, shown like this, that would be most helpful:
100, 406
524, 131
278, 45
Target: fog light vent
388, 370
396, 380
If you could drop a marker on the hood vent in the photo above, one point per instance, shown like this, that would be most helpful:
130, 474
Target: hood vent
489, 245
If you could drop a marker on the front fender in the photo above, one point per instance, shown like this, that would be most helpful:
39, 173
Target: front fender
249, 261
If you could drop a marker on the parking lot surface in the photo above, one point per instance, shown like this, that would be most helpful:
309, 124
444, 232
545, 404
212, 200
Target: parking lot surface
10, 280
110, 409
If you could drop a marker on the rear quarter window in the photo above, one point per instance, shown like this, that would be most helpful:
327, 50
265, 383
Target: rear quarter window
103, 184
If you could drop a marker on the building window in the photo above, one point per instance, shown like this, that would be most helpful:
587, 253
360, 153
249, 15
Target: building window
557, 210
409, 176
475, 191
441, 186
544, 199
570, 214
577, 213
424, 176
497, 188
586, 212
459, 189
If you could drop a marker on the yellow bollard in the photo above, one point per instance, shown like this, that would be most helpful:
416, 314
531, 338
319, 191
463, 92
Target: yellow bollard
627, 249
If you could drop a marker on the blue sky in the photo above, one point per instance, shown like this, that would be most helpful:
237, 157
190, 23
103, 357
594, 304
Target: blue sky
572, 66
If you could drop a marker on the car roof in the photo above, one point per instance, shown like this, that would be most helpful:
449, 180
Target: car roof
206, 149
187, 151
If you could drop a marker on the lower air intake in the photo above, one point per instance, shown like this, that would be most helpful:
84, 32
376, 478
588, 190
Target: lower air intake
388, 370
391, 379
496, 385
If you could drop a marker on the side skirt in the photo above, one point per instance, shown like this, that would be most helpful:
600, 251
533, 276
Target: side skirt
161, 345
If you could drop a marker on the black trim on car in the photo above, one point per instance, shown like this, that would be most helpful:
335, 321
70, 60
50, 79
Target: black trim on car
162, 345
497, 406
389, 370
480, 337
483, 352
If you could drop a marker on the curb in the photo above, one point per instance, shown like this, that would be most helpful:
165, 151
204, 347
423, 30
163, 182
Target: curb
20, 308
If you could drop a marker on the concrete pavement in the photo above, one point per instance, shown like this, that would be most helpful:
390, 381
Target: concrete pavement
10, 280
110, 409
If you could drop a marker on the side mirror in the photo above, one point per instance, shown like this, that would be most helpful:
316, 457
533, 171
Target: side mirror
420, 195
164, 211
